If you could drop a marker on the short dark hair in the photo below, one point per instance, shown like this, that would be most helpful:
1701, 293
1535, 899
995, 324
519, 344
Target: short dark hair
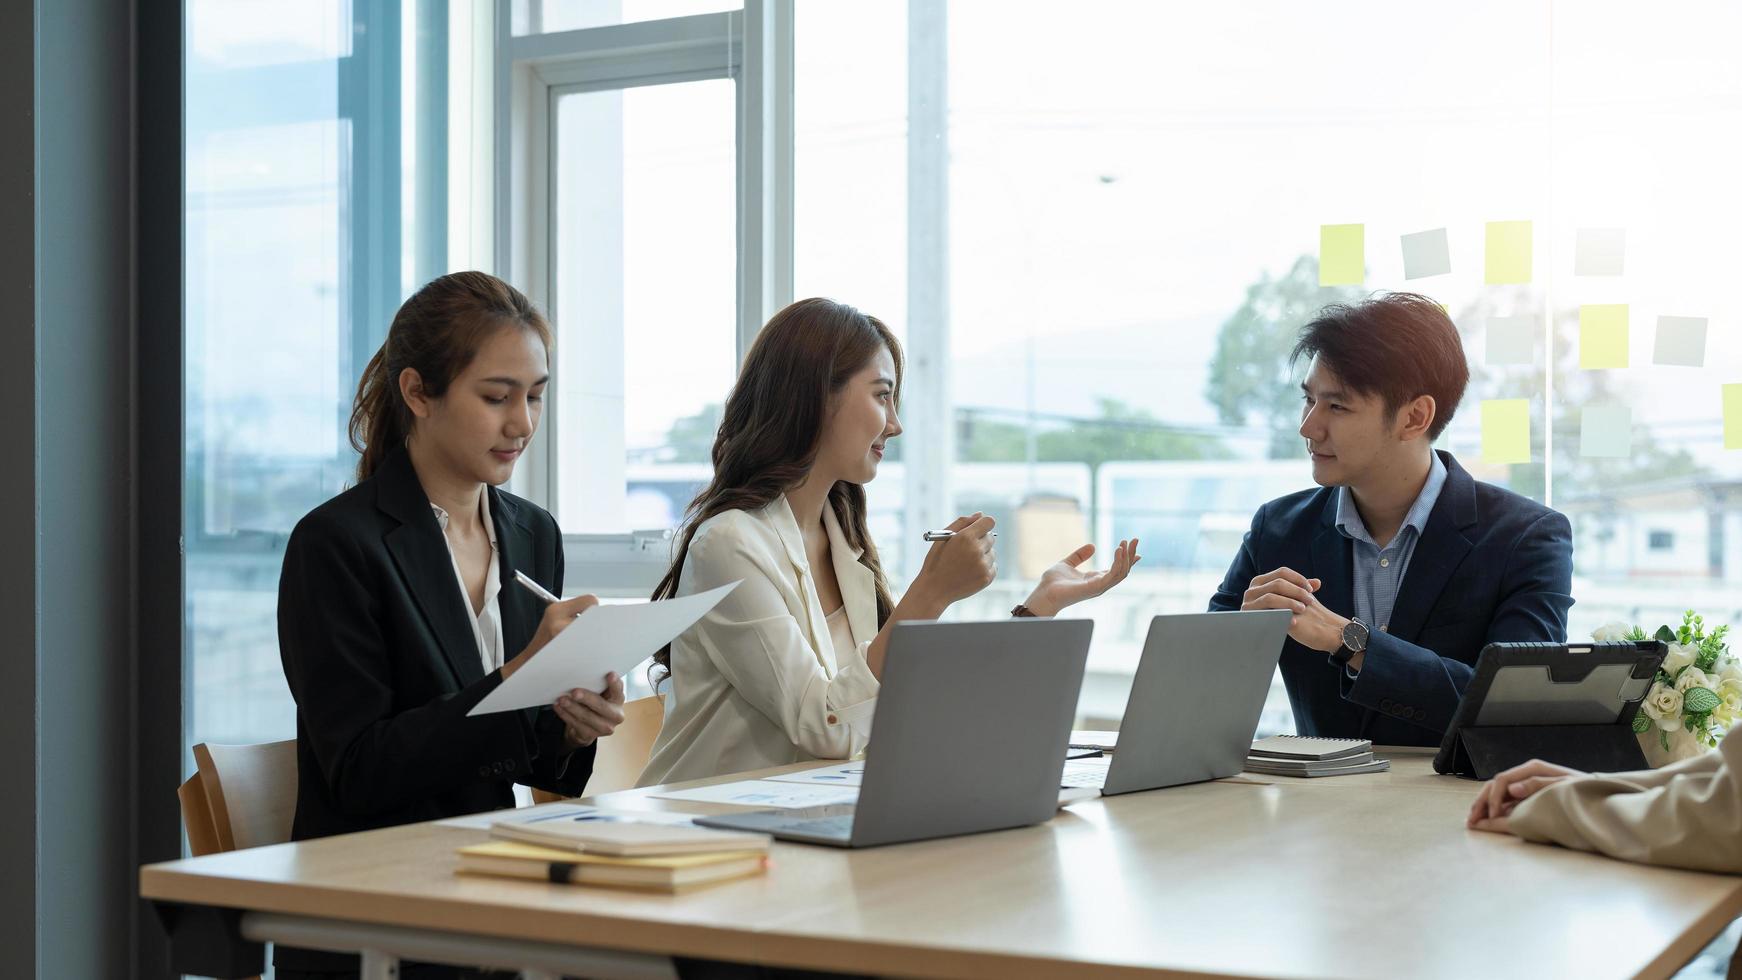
1398, 346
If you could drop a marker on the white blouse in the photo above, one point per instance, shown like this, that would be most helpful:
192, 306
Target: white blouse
487, 622
762, 680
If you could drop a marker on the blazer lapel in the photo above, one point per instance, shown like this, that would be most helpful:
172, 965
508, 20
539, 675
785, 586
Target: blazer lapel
779, 514
1331, 562
422, 557
858, 583
1437, 555
521, 610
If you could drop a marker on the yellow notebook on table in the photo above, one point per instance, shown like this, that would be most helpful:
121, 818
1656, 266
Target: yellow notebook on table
666, 873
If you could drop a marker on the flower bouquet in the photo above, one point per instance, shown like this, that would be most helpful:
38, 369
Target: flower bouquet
1698, 692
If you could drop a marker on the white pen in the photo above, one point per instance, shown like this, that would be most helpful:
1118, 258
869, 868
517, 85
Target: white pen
946, 535
534, 587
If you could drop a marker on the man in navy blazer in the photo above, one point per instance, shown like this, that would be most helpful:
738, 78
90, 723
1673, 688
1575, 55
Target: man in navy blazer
1400, 567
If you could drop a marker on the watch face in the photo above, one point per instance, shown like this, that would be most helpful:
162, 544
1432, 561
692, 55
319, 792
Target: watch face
1355, 636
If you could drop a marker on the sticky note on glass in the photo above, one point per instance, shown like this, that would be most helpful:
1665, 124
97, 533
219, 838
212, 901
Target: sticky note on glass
1426, 253
1600, 252
1512, 340
1681, 341
1507, 252
1506, 430
1733, 416
1606, 431
1603, 336
1342, 255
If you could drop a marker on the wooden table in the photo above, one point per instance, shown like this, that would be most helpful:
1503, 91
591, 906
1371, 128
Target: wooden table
1361, 876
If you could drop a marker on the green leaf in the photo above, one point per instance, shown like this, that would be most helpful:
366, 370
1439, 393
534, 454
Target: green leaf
1701, 700
1666, 634
1663, 739
1641, 724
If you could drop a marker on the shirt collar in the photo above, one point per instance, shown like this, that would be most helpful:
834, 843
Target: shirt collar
441, 516
1349, 516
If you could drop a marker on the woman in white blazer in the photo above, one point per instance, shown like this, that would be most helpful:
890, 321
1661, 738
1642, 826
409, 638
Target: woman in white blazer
786, 668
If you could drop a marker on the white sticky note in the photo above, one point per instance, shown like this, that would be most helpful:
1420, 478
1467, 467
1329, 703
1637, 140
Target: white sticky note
1600, 252
1606, 430
1512, 340
1681, 341
1426, 253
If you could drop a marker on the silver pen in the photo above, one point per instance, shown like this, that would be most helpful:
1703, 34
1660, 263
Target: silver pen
946, 535
534, 587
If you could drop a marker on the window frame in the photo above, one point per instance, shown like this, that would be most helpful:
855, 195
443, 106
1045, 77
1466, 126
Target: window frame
754, 48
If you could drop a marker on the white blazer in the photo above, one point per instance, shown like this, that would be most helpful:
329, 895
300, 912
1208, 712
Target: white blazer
757, 681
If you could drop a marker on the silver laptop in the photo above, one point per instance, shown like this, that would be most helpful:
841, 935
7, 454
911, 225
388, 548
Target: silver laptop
1194, 704
970, 732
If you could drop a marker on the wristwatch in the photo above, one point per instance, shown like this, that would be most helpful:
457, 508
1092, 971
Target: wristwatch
1021, 611
1354, 641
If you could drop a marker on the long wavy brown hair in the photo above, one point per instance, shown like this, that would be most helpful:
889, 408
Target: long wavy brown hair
773, 424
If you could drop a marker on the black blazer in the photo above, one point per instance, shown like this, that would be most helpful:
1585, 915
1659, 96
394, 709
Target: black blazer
378, 648
1491, 565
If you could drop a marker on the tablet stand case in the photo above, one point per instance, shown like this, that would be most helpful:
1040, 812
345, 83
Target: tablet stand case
1483, 751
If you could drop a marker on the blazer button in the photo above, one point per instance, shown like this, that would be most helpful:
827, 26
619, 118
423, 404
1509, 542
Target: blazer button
510, 765
484, 771
1420, 715
833, 720
1385, 704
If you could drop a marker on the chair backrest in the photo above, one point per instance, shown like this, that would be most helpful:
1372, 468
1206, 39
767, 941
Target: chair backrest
196, 816
251, 791
621, 757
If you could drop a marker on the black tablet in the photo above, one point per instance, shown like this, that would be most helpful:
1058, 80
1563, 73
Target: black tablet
1542, 700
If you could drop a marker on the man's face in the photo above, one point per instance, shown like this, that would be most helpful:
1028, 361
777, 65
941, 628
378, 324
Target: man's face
1350, 435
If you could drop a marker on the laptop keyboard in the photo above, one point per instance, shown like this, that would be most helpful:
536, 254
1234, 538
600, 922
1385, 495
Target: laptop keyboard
1086, 773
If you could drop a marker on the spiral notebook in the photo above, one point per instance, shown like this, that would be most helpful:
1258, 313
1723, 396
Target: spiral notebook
1306, 747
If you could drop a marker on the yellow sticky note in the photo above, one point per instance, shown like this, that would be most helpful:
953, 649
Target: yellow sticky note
1603, 336
1733, 416
1508, 252
1506, 430
1342, 255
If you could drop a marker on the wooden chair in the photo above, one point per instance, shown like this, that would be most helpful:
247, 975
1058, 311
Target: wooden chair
196, 816
621, 757
250, 792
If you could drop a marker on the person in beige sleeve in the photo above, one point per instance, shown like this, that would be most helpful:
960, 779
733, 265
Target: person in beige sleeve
1685, 815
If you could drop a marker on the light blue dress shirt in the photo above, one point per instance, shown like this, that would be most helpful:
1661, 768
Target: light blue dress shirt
1379, 572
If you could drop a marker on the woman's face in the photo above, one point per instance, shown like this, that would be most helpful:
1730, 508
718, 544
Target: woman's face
481, 426
861, 419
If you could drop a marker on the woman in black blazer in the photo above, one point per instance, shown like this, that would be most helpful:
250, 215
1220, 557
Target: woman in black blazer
397, 607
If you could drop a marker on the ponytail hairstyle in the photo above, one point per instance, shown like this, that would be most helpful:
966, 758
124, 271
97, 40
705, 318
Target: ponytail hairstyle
772, 428
436, 333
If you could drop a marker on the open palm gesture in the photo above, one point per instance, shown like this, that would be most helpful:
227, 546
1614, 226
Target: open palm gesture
1064, 584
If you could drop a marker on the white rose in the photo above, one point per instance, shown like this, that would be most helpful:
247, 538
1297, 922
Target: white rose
1679, 656
1730, 669
1611, 632
1691, 677
1664, 706
1729, 691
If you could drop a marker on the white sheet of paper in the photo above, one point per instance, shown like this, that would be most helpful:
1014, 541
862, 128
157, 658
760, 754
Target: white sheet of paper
1426, 253
845, 774
563, 811
766, 793
1606, 431
1512, 339
602, 640
1681, 341
1600, 252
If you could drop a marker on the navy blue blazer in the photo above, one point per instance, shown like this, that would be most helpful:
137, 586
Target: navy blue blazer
1490, 566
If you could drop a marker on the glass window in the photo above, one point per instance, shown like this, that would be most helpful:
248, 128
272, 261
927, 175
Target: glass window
1134, 206
644, 267
293, 167
549, 16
